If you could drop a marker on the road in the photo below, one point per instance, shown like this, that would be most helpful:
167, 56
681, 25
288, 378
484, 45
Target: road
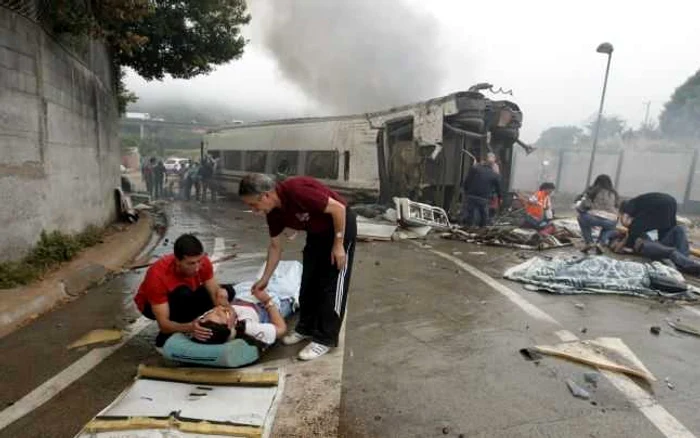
431, 346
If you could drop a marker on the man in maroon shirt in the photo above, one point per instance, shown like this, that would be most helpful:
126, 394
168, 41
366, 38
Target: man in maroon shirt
303, 203
180, 287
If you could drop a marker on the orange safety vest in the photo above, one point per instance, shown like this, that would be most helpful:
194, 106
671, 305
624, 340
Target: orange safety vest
537, 210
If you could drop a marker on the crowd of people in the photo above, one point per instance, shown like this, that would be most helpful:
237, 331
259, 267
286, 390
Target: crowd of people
200, 176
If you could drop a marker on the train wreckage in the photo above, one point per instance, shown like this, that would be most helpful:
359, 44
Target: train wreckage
420, 151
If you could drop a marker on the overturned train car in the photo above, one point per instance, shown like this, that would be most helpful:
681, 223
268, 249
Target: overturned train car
421, 151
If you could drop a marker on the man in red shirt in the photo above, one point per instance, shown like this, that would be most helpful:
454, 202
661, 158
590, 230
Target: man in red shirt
303, 203
180, 287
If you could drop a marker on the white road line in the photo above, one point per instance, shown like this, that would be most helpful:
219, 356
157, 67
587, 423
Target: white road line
666, 423
515, 297
62, 380
692, 309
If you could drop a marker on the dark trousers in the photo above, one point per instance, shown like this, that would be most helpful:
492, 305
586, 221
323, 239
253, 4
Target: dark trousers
673, 246
324, 288
476, 212
185, 305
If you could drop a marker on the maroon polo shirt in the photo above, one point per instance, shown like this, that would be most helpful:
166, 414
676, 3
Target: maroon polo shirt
304, 200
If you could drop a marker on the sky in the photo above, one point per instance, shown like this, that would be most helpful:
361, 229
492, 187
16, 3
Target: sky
328, 57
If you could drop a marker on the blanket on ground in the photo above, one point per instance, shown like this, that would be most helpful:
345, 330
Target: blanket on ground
603, 275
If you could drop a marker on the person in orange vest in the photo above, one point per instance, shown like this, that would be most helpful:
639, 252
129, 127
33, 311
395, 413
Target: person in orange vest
538, 207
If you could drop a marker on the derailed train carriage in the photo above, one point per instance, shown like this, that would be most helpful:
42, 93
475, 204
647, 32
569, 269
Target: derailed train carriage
421, 151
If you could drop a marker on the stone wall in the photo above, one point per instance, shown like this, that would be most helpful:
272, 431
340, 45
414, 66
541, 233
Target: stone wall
58, 136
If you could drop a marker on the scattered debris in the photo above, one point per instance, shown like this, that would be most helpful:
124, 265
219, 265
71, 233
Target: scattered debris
669, 384
98, 336
584, 330
445, 430
655, 330
580, 306
594, 403
477, 253
416, 214
684, 327
576, 390
456, 253
377, 417
591, 378
530, 354
511, 237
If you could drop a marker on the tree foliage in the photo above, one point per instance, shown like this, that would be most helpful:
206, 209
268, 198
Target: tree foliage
681, 114
609, 127
559, 137
182, 38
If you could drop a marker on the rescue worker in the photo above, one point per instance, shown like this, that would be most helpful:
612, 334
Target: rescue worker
538, 208
303, 203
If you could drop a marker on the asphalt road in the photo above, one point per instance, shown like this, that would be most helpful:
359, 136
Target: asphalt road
430, 349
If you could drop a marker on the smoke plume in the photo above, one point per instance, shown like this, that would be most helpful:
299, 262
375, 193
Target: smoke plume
354, 55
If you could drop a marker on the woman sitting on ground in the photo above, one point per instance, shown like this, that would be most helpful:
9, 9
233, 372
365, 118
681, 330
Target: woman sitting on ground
597, 207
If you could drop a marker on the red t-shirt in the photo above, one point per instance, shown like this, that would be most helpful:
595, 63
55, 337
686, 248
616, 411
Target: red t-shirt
162, 278
304, 200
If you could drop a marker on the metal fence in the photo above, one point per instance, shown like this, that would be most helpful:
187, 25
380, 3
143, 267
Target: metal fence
671, 170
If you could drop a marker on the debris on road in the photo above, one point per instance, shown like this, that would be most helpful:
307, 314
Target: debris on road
511, 237
530, 354
576, 390
580, 306
584, 330
99, 336
604, 353
655, 330
477, 253
669, 384
592, 378
684, 327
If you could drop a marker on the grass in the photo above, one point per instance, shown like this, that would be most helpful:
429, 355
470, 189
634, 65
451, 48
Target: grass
52, 249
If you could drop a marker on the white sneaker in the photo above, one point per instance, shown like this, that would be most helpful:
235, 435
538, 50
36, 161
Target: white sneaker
313, 350
293, 338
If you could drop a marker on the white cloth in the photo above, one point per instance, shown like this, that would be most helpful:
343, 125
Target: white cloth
284, 283
260, 331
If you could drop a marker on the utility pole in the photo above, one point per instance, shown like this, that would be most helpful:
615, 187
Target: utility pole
646, 114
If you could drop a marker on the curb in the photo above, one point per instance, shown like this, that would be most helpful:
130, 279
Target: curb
92, 266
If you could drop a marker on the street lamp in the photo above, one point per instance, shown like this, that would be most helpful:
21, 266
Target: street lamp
606, 48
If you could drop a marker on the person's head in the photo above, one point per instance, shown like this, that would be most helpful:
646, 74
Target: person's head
188, 254
603, 182
547, 187
220, 320
490, 158
258, 192
152, 160
625, 217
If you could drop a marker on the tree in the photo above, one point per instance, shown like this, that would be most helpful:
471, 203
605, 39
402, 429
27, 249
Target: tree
559, 137
681, 114
609, 127
182, 38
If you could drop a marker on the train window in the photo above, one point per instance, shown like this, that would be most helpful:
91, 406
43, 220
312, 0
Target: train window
322, 164
232, 160
285, 162
346, 165
255, 161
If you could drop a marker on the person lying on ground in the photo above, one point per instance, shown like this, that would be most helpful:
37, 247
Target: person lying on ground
651, 216
597, 207
180, 287
538, 208
478, 189
260, 323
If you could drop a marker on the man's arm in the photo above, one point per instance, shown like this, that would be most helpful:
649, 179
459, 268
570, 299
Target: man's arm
276, 318
274, 254
337, 212
162, 314
218, 295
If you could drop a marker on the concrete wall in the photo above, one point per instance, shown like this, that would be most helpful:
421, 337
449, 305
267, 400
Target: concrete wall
58, 136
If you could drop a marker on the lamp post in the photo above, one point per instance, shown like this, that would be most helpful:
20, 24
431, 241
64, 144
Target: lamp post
606, 48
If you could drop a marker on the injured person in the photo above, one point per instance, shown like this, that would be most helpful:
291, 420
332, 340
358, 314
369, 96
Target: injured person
259, 323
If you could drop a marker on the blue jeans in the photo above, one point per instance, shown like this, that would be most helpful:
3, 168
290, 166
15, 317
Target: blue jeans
286, 308
588, 221
678, 239
533, 223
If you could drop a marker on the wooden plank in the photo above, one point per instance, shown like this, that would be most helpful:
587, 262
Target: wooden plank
209, 376
200, 427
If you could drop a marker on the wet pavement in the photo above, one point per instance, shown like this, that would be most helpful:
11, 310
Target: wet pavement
430, 350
